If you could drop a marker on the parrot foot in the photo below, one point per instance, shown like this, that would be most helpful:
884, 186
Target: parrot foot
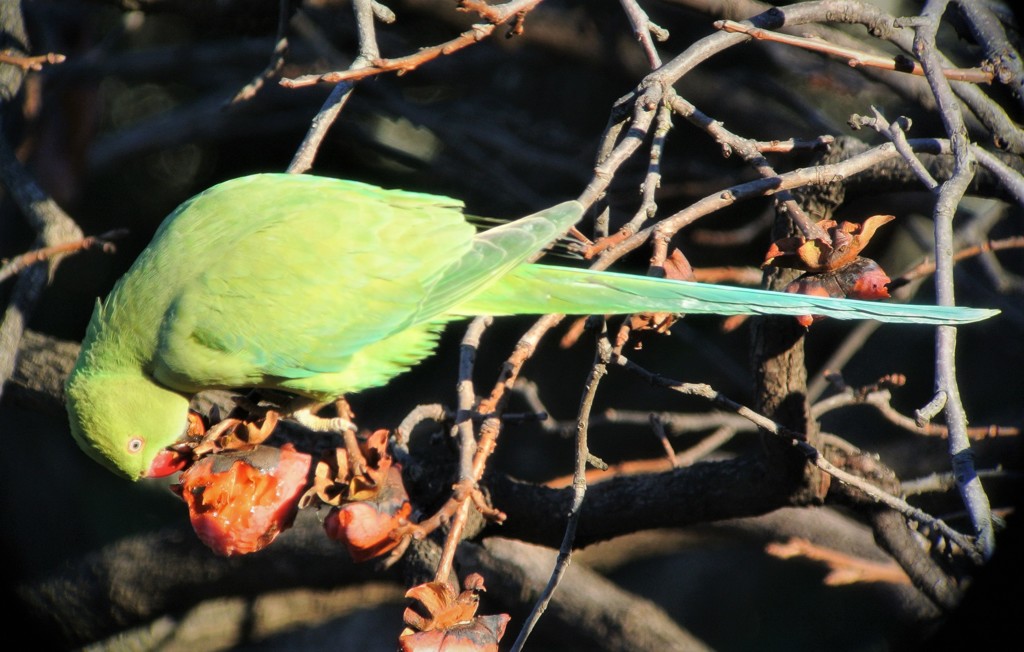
307, 419
306, 416
304, 412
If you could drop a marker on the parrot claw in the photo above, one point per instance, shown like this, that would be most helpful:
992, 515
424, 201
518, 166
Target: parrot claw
306, 416
304, 412
345, 427
307, 419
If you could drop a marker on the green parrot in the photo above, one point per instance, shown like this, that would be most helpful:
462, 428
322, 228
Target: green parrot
323, 287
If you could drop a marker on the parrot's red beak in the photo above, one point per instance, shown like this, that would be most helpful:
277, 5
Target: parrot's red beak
165, 463
177, 456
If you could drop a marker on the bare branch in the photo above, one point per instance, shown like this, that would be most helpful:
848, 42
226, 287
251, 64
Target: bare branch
853, 57
949, 195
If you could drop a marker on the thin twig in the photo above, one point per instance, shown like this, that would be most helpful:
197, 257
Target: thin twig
751, 152
942, 482
816, 175
659, 431
643, 29
579, 489
902, 288
896, 132
430, 412
882, 401
854, 57
678, 422
990, 34
53, 228
34, 63
29, 258
927, 267
463, 430
491, 408
498, 14
368, 51
529, 392
843, 568
277, 56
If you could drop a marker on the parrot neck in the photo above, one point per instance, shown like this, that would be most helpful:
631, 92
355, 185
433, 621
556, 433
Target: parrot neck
117, 342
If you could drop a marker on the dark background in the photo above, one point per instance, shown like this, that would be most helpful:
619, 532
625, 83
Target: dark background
134, 122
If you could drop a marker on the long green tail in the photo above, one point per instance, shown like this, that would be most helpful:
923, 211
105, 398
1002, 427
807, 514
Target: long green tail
543, 289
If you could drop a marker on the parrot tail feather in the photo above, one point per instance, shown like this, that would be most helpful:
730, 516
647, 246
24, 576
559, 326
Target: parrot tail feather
544, 289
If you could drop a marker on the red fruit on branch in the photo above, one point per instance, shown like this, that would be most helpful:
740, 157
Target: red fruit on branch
368, 500
239, 501
861, 279
365, 525
832, 264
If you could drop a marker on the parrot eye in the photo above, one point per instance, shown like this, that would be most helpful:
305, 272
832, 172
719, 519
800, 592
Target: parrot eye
135, 444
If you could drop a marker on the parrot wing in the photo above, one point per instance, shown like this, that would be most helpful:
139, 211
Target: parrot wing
295, 274
326, 286
497, 251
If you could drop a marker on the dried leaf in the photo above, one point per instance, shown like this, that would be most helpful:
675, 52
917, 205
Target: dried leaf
196, 424
440, 600
678, 268
870, 225
335, 481
843, 245
324, 488
375, 449
843, 568
451, 623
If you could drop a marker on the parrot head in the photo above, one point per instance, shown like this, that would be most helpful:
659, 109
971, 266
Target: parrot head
126, 422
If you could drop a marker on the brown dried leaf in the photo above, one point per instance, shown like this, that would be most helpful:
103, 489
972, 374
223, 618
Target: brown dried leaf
678, 268
375, 449
870, 225
323, 489
335, 482
445, 608
451, 623
845, 241
196, 424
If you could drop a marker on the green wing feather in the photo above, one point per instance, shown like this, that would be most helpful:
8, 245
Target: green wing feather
325, 286
496, 252
541, 289
293, 275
